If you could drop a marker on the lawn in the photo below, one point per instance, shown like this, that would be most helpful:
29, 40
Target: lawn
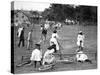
68, 38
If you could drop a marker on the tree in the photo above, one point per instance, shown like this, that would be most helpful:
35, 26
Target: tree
60, 12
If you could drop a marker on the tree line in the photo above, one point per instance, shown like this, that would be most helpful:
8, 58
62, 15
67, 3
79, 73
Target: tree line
60, 12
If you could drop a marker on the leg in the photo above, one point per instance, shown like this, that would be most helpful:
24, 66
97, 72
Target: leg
43, 62
31, 44
28, 44
35, 62
81, 45
60, 55
80, 61
41, 36
40, 63
45, 36
19, 43
88, 61
23, 42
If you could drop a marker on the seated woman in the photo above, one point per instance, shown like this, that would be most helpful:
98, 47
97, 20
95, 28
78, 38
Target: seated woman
82, 57
48, 58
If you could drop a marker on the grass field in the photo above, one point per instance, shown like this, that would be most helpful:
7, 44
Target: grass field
68, 35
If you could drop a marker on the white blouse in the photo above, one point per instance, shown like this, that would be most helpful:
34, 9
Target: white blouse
36, 55
81, 57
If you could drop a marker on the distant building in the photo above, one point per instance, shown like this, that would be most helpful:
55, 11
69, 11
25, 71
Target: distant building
21, 17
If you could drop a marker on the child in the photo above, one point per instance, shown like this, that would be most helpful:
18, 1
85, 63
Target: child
36, 55
48, 57
81, 57
80, 40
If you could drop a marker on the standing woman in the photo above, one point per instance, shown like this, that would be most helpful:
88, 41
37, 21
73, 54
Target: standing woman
19, 31
44, 33
54, 41
21, 36
80, 40
29, 40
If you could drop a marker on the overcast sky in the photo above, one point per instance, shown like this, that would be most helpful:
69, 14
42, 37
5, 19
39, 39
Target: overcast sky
28, 5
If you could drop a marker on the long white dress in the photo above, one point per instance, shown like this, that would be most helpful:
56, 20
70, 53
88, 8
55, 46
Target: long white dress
80, 38
28, 39
48, 57
54, 40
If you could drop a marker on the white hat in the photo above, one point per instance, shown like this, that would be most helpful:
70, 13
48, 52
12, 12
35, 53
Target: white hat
80, 31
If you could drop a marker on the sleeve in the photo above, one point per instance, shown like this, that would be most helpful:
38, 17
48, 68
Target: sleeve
41, 28
57, 36
51, 51
32, 55
41, 53
19, 32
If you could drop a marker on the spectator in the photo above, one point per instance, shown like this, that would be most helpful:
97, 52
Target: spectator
19, 31
44, 33
21, 36
29, 40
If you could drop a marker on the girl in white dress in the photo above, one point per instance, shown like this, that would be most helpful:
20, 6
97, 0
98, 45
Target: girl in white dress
36, 55
80, 40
